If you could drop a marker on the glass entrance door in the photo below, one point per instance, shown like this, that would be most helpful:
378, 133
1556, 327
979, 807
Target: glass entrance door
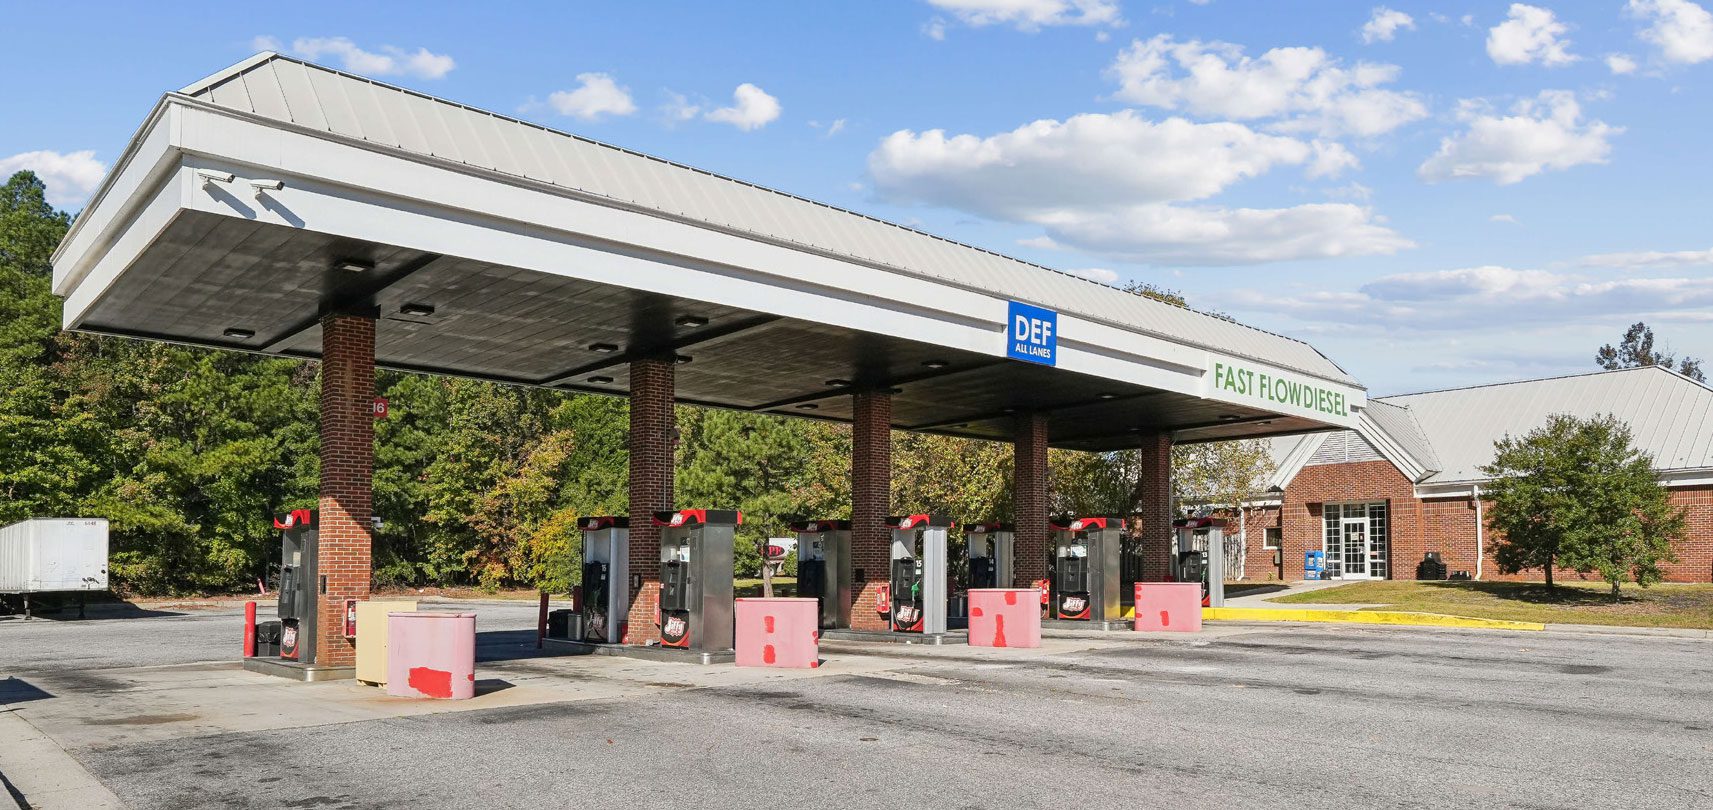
1355, 556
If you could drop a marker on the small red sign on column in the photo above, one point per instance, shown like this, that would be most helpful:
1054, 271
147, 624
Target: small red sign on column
380, 407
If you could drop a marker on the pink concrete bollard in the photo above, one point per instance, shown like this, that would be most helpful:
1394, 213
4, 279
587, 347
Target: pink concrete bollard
1005, 617
1173, 607
778, 632
431, 655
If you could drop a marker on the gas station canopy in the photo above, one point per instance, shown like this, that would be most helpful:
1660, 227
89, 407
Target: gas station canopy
253, 202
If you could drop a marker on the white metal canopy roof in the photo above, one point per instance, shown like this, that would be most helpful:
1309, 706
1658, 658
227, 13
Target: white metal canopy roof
534, 245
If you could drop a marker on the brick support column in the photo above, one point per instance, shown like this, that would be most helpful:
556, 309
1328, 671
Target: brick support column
871, 501
1029, 499
1153, 499
347, 478
653, 438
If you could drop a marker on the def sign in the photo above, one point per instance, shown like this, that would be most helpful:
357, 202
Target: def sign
1033, 334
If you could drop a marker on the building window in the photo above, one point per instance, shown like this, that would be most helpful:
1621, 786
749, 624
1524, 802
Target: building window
1270, 537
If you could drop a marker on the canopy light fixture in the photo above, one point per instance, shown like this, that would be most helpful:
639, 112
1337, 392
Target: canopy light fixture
837, 383
600, 379
1008, 411
1106, 395
1228, 417
682, 359
935, 363
239, 334
894, 390
354, 266
691, 321
603, 348
807, 406
419, 310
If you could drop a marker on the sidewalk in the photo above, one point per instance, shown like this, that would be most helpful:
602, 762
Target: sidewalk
1261, 600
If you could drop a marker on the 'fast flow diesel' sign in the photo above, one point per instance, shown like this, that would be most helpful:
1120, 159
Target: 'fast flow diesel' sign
1032, 335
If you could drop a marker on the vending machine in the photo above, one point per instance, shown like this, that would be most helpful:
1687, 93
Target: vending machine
1086, 570
989, 547
606, 579
299, 596
696, 578
917, 587
824, 568
1199, 556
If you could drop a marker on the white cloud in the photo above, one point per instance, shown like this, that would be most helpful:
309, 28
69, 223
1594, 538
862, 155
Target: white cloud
1350, 191
752, 108
834, 128
1541, 134
1169, 234
1476, 297
1504, 218
1330, 160
1099, 274
1297, 89
1644, 259
388, 61
597, 96
1530, 34
1088, 160
1028, 15
1384, 24
69, 177
1620, 65
1681, 30
678, 108
1106, 183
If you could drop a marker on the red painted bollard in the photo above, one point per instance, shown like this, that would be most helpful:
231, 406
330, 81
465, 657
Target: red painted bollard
778, 632
249, 629
1005, 617
1173, 607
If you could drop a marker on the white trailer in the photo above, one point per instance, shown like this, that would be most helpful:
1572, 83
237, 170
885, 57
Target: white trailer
53, 555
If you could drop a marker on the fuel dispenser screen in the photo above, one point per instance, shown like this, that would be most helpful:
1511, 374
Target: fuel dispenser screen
907, 595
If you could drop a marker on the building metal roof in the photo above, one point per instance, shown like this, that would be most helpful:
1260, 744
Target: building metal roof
1445, 437
326, 100
1399, 424
1670, 416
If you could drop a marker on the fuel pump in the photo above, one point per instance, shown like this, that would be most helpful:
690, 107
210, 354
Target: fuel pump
606, 578
989, 547
300, 543
918, 581
696, 578
1198, 555
1086, 570
824, 568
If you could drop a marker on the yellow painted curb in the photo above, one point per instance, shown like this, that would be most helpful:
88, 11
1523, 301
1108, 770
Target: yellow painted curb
1361, 617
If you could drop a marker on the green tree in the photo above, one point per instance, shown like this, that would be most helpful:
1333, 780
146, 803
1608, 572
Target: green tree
1577, 494
1637, 349
759, 464
46, 456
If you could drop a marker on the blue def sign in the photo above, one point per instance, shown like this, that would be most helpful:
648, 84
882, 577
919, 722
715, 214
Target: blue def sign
1033, 335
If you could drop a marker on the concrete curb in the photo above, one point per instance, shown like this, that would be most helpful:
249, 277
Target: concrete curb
1392, 617
1621, 630
44, 774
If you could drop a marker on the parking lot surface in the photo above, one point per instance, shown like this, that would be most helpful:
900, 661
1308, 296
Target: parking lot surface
155, 708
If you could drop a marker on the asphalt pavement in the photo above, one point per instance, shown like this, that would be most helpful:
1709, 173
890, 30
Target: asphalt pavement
1298, 716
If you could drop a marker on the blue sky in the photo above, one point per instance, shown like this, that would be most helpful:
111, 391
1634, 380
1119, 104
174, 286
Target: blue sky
1432, 195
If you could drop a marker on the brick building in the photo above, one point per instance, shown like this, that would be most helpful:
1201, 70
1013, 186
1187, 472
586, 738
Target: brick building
1407, 480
